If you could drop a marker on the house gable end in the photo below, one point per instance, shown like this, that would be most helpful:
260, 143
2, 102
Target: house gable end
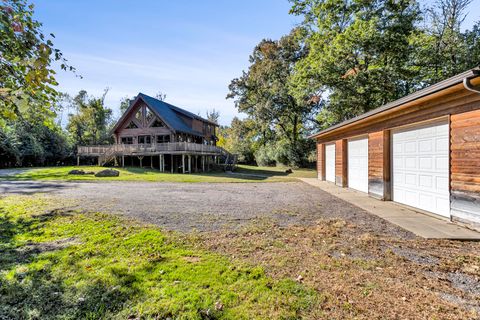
130, 115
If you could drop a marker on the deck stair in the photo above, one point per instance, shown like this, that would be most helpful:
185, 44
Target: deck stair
230, 162
109, 155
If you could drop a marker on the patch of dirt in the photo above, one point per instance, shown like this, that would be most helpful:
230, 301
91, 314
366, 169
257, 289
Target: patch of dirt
34, 247
414, 256
192, 259
466, 283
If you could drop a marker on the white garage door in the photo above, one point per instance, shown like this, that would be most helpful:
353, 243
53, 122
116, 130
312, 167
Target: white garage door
421, 167
358, 164
330, 162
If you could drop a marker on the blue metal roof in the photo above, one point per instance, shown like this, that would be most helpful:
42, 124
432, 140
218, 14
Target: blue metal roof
168, 113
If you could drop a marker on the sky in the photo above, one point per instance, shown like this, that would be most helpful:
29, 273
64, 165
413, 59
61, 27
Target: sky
187, 49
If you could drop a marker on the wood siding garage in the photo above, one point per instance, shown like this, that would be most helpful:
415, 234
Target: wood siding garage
420, 167
358, 164
330, 162
422, 150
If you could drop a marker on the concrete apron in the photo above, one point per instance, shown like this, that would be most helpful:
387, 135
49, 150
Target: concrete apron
423, 225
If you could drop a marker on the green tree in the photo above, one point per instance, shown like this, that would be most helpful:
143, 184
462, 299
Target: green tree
124, 104
444, 50
239, 138
472, 39
263, 92
26, 143
90, 124
27, 80
213, 115
359, 55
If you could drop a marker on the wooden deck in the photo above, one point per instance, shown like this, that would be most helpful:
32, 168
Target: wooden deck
151, 149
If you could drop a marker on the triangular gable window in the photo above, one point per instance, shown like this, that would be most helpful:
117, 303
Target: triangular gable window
149, 115
157, 124
138, 115
131, 125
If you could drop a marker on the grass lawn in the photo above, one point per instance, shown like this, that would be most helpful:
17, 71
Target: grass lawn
60, 264
242, 174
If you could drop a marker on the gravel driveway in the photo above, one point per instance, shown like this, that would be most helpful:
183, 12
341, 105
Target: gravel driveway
209, 206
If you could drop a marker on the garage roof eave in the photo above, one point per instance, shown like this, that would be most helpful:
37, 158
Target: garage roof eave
472, 73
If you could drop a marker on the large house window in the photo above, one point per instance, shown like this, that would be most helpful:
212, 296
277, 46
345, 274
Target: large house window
127, 140
163, 139
144, 139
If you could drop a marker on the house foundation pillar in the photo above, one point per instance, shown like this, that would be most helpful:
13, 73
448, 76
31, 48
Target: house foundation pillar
183, 163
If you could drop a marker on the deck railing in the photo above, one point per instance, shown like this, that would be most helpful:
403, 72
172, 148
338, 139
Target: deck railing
132, 149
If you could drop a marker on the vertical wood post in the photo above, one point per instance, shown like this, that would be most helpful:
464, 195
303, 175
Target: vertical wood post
341, 163
203, 163
171, 163
183, 163
151, 162
387, 162
78, 160
321, 161
189, 164
123, 160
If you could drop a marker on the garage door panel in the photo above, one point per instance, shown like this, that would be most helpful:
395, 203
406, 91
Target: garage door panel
330, 162
358, 164
425, 181
421, 167
441, 144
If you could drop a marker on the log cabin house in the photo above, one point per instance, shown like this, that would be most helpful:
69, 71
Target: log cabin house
422, 151
159, 135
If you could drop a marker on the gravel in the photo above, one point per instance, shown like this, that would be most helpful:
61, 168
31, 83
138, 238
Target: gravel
211, 206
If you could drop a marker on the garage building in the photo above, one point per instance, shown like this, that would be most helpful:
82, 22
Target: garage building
422, 151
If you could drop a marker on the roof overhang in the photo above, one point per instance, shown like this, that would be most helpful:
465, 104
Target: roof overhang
455, 80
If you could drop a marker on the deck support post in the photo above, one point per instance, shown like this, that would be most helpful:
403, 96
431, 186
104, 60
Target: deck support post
141, 159
171, 163
160, 162
78, 160
189, 164
99, 162
123, 160
203, 163
183, 163
151, 162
